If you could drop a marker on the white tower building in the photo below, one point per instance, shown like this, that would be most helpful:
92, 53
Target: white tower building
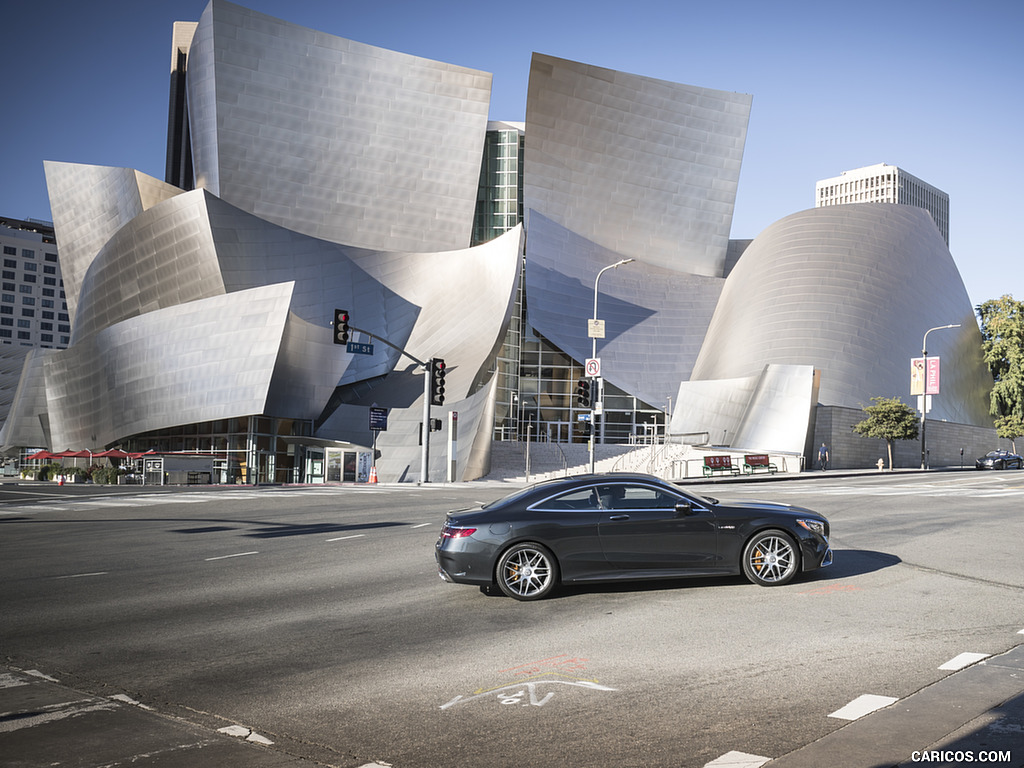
883, 183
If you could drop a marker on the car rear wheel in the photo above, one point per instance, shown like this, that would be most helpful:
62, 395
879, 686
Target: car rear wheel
527, 571
771, 559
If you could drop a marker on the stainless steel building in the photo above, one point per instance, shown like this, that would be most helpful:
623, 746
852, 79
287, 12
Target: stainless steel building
308, 173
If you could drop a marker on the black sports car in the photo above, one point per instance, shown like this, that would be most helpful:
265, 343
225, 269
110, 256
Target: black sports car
999, 460
624, 526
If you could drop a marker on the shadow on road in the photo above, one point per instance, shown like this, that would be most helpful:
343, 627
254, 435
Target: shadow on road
847, 563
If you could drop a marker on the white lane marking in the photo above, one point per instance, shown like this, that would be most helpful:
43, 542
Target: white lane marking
343, 538
245, 733
225, 557
737, 760
129, 700
964, 660
41, 676
422, 525
53, 712
82, 575
7, 680
863, 705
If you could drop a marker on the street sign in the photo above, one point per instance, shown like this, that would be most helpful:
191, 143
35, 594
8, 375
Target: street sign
593, 367
358, 348
595, 329
378, 419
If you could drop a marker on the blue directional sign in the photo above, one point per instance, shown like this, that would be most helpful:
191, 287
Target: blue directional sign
359, 348
379, 419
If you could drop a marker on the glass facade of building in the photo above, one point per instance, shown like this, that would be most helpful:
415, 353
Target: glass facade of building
536, 396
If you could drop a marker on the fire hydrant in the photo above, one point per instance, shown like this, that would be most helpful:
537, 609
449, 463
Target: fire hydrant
881, 464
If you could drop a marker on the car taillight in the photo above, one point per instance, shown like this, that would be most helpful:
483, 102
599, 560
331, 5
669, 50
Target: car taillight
451, 532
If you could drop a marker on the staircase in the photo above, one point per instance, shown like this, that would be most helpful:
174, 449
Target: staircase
551, 460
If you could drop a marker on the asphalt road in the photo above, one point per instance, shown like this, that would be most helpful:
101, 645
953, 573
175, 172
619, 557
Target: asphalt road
315, 618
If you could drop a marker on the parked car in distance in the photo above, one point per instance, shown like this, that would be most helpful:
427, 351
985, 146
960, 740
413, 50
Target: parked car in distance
607, 527
1000, 460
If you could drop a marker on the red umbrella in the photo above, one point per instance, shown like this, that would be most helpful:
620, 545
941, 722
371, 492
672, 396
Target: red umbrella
113, 453
40, 456
72, 455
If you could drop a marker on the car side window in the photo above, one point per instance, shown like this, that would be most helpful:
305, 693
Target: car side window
625, 496
580, 499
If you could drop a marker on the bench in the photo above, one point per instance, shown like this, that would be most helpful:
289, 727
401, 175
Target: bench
723, 464
758, 461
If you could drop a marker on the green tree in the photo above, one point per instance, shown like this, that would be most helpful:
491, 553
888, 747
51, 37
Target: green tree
1002, 334
889, 419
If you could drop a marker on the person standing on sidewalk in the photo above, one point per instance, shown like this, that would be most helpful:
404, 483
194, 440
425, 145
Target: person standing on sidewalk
823, 458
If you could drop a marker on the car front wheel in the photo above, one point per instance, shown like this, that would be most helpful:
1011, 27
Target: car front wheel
527, 572
771, 559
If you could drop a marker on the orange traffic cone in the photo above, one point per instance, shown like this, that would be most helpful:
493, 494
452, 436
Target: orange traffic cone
373, 475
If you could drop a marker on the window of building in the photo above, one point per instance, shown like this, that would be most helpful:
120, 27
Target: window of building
28, 253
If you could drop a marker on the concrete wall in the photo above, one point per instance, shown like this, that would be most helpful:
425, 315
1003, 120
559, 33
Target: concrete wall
848, 450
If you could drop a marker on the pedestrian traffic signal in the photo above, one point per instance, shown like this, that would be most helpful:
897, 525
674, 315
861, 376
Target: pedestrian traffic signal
583, 392
437, 373
341, 326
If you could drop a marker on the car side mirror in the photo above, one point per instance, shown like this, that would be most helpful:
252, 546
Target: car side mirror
683, 509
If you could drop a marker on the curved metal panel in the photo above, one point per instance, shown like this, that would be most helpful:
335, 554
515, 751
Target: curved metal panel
655, 319
329, 137
643, 167
466, 299
851, 290
89, 204
164, 257
27, 424
198, 361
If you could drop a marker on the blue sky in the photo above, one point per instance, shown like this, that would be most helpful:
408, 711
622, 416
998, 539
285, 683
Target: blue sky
932, 86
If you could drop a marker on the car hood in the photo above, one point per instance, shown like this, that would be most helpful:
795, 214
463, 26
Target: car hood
753, 507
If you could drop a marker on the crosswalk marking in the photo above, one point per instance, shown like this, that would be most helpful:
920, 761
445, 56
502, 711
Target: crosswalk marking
977, 490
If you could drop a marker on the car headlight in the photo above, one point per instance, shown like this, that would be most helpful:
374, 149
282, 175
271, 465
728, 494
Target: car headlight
814, 526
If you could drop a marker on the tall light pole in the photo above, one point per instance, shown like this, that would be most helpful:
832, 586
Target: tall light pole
593, 354
924, 397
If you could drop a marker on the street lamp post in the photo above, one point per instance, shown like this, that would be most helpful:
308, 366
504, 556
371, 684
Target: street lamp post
924, 397
593, 353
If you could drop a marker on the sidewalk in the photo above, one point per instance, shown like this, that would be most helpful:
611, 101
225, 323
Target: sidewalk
44, 723
975, 715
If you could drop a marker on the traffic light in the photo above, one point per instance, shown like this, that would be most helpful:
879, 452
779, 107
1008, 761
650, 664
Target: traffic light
341, 326
437, 372
583, 392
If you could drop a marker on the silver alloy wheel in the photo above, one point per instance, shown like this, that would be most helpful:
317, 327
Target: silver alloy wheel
770, 559
527, 572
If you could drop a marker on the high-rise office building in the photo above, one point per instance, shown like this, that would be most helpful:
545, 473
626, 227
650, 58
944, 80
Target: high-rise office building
884, 183
33, 311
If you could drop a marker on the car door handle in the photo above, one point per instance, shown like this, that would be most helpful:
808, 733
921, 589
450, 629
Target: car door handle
619, 517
